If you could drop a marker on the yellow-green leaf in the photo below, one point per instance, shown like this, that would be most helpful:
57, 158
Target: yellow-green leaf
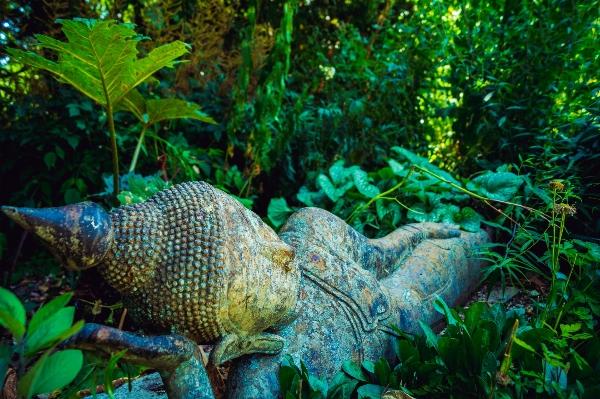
100, 58
170, 108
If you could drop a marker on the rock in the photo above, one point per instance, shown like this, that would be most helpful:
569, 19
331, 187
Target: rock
496, 294
147, 387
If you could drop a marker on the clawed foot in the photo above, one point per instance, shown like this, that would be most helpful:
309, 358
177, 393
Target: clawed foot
434, 230
160, 352
178, 360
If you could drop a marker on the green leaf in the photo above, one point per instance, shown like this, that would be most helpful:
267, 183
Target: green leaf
532, 339
134, 102
432, 338
72, 196
370, 391
424, 163
47, 312
397, 167
391, 207
475, 313
5, 358
50, 159
278, 211
419, 213
369, 366
485, 339
469, 220
305, 196
3, 244
51, 372
109, 387
48, 330
361, 180
100, 59
448, 350
324, 183
12, 313
383, 371
342, 390
405, 350
496, 186
488, 96
489, 365
286, 376
524, 345
354, 370
59, 152
441, 306
159, 110
337, 172
318, 385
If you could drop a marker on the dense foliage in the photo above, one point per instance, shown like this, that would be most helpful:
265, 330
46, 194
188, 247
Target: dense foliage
383, 112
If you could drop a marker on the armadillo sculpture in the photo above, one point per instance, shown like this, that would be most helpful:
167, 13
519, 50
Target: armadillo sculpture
195, 266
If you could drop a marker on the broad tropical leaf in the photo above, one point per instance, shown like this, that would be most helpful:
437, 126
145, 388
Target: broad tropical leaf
100, 58
170, 108
152, 111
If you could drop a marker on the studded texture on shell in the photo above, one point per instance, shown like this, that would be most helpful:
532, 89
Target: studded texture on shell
167, 259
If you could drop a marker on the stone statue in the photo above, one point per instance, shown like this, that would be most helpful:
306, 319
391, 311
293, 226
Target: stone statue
195, 266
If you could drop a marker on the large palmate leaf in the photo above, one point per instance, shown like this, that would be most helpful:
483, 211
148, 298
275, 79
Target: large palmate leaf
152, 111
100, 58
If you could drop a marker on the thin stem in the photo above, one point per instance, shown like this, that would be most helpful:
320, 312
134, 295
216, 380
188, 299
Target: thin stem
137, 149
115, 156
360, 208
14, 264
402, 205
553, 234
484, 199
122, 320
553, 262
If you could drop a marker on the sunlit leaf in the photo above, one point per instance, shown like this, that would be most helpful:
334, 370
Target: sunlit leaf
100, 58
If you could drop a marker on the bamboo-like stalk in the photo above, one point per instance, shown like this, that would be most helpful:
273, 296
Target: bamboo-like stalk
115, 156
137, 149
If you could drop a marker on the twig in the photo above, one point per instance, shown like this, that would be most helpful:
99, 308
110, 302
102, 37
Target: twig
484, 199
14, 265
361, 208
122, 320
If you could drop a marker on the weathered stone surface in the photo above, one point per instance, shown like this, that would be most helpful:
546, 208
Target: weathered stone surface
146, 387
193, 261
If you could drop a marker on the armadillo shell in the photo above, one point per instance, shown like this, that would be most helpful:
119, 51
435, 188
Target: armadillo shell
167, 259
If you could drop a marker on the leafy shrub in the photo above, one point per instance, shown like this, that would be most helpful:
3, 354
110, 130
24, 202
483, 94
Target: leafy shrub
100, 61
487, 352
376, 203
52, 324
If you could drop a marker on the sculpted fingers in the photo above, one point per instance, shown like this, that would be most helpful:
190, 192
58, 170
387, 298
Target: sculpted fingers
437, 230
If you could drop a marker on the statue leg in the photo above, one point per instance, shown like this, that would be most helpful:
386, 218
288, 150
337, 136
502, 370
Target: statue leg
177, 359
437, 267
415, 262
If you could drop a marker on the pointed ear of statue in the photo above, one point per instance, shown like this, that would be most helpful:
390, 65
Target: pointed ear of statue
79, 235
